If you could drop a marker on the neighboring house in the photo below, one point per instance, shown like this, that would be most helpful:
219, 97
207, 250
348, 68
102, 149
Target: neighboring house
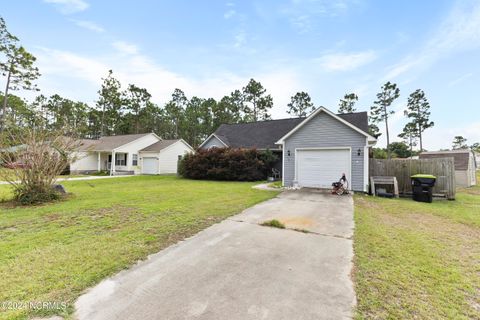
313, 151
464, 161
144, 153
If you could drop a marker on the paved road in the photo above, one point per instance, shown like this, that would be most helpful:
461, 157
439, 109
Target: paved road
238, 269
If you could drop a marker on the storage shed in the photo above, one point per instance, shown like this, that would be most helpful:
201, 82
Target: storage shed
465, 165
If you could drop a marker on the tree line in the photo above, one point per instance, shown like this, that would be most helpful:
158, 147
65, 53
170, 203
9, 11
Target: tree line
129, 109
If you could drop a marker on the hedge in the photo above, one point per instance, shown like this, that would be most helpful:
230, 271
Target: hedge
227, 164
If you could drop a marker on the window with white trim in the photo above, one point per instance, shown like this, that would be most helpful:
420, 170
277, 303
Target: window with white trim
121, 159
134, 159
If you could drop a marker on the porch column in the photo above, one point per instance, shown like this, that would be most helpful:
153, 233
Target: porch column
112, 164
99, 161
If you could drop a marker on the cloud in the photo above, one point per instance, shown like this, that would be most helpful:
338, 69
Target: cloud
125, 47
230, 13
460, 79
69, 6
459, 32
346, 61
89, 25
303, 14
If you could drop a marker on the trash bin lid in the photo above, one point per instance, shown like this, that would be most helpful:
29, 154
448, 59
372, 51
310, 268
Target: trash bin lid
429, 176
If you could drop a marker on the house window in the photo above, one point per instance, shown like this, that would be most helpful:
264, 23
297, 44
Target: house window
179, 157
134, 159
121, 159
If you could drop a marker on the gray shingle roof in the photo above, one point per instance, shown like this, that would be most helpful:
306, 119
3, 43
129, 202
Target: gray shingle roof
109, 143
157, 146
460, 157
264, 134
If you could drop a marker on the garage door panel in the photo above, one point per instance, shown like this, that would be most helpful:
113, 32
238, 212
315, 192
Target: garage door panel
319, 168
150, 165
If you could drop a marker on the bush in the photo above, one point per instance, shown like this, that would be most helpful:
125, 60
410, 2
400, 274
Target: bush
227, 164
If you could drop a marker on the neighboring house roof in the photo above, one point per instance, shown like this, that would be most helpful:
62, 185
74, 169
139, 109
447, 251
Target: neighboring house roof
461, 157
109, 143
160, 145
265, 134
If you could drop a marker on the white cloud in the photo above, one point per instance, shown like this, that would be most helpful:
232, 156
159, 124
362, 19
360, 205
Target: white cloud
230, 13
69, 6
459, 32
89, 25
346, 61
125, 47
460, 79
240, 39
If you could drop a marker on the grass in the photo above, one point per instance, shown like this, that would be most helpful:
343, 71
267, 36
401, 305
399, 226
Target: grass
273, 223
54, 252
4, 172
276, 184
417, 260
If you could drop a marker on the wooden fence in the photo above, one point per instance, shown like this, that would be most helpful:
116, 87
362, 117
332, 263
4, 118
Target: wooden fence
442, 168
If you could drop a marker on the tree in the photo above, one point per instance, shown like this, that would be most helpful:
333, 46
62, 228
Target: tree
475, 147
379, 111
110, 104
418, 111
18, 67
135, 99
410, 135
459, 142
374, 131
261, 103
346, 104
300, 105
174, 111
400, 149
34, 165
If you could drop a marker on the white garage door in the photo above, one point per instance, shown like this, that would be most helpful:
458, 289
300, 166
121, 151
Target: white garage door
150, 165
319, 168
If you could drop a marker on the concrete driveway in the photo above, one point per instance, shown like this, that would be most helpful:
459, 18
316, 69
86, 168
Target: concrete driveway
238, 269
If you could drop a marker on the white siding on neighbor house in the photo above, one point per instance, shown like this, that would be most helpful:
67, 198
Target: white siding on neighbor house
324, 131
87, 161
135, 147
213, 142
168, 158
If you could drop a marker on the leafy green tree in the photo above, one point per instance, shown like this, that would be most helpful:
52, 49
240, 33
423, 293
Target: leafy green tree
110, 104
300, 105
374, 131
347, 104
17, 66
228, 110
260, 102
400, 149
475, 147
379, 153
379, 111
410, 135
418, 111
459, 142
174, 111
135, 99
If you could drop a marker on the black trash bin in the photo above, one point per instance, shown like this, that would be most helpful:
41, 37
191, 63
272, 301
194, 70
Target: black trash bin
422, 186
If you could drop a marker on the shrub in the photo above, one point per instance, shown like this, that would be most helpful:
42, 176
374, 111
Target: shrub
227, 164
273, 223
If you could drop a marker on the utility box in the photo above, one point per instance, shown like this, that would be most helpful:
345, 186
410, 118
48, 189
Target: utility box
422, 186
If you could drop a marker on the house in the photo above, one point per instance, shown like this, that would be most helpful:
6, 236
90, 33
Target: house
464, 162
144, 153
313, 151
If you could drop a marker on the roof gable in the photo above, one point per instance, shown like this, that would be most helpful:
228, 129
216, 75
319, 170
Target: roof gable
164, 144
341, 118
110, 143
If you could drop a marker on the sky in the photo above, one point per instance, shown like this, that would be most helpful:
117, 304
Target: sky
209, 48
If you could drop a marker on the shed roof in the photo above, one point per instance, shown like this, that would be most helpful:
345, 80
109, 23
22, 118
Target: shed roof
460, 157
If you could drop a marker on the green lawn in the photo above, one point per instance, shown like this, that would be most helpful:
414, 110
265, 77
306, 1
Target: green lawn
417, 260
53, 252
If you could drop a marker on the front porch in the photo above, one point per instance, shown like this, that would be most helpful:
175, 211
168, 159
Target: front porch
116, 163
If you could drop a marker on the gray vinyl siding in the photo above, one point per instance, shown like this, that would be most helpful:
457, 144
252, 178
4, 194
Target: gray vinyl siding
326, 131
213, 142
